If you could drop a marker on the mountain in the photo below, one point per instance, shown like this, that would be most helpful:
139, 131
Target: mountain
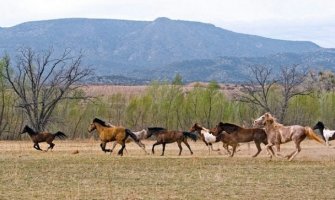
235, 69
134, 48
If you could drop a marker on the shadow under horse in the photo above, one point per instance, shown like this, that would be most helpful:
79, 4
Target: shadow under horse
163, 137
38, 137
109, 133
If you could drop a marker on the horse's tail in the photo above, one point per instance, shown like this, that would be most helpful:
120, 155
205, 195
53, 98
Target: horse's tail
191, 135
60, 135
310, 133
132, 135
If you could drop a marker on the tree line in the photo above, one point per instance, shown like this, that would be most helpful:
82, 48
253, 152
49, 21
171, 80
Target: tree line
45, 92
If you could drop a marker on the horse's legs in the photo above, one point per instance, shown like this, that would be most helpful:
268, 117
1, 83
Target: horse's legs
188, 146
113, 147
271, 153
163, 149
180, 147
103, 147
226, 146
259, 149
51, 146
209, 148
121, 150
153, 147
294, 153
140, 144
36, 146
327, 141
234, 149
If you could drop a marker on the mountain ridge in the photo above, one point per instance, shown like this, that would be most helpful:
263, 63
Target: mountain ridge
122, 47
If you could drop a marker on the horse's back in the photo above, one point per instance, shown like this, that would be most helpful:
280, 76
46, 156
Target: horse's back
113, 133
169, 136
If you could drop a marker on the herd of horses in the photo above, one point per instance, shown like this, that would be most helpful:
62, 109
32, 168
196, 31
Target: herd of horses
267, 131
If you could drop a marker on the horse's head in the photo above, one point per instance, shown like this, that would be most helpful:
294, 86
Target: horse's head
319, 126
92, 127
196, 127
26, 129
217, 129
262, 120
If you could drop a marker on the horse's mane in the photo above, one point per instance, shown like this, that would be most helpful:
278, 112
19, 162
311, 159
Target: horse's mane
99, 121
229, 127
273, 120
30, 130
155, 130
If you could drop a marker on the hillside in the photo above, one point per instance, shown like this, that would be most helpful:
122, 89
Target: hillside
151, 49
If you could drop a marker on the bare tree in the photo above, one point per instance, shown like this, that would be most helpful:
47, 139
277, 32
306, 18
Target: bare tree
290, 84
256, 90
42, 81
292, 80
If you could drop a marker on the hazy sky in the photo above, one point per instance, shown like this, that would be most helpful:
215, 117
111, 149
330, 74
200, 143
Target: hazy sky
312, 20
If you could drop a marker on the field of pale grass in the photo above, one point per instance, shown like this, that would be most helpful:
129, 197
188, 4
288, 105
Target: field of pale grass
26, 173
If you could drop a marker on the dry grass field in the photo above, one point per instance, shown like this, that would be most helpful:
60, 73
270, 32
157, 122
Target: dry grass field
91, 174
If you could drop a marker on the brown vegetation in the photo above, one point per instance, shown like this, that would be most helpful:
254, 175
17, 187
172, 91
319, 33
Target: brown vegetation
92, 174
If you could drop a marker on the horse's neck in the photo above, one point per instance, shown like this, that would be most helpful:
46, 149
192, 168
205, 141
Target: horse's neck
100, 128
31, 132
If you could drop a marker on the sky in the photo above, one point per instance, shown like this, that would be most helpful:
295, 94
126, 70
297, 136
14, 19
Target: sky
302, 20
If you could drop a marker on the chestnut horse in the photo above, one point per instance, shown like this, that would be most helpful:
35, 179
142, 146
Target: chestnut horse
236, 134
114, 133
38, 137
163, 136
279, 134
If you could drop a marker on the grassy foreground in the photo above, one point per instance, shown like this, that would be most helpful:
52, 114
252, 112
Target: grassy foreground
91, 174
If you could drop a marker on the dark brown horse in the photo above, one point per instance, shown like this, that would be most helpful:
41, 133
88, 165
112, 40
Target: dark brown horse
38, 137
164, 137
279, 134
236, 134
109, 133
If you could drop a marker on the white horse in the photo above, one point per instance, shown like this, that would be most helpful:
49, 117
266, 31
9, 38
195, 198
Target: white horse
325, 133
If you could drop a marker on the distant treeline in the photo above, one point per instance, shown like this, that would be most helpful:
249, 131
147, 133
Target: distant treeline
165, 105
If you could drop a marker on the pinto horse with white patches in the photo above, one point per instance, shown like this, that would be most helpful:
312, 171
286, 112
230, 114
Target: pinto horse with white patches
326, 134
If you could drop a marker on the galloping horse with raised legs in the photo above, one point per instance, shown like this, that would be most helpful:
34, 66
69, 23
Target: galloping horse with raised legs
38, 137
239, 134
279, 134
164, 137
108, 134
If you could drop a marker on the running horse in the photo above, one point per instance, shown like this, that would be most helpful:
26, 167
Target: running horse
38, 137
207, 137
326, 134
108, 134
236, 134
279, 134
164, 136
